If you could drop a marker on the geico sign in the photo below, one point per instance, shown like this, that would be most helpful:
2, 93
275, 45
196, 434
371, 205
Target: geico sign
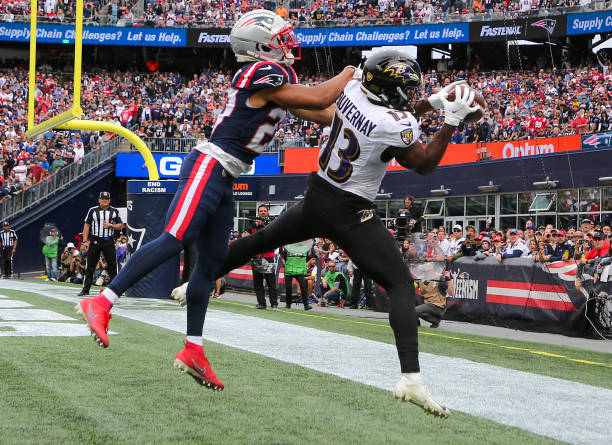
525, 149
170, 165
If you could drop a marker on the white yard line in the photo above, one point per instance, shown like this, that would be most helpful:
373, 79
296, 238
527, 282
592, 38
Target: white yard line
543, 405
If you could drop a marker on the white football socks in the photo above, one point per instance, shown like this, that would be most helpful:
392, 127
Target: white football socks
413, 376
194, 339
110, 295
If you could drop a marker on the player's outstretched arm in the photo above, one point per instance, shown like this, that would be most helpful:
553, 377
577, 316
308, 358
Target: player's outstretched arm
424, 160
295, 96
323, 117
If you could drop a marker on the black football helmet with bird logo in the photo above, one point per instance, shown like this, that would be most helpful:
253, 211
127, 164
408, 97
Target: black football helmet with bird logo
393, 79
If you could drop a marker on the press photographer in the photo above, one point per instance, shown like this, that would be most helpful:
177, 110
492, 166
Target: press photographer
408, 220
263, 264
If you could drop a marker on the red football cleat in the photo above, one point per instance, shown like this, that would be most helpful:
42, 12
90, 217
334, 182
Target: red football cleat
97, 317
193, 361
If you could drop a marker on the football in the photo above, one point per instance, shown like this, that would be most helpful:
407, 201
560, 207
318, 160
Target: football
478, 99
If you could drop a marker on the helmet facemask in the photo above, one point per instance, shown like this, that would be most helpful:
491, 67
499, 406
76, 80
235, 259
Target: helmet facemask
287, 41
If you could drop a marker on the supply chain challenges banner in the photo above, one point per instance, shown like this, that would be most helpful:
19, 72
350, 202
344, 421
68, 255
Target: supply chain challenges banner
96, 35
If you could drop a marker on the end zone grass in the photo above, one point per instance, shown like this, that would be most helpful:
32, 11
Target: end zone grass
67, 390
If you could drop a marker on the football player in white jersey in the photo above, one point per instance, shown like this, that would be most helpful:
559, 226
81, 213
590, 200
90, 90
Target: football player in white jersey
373, 121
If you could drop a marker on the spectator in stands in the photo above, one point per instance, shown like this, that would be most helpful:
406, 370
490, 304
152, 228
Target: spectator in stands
456, 239
485, 249
443, 243
580, 124
586, 225
515, 248
57, 164
601, 247
470, 246
563, 250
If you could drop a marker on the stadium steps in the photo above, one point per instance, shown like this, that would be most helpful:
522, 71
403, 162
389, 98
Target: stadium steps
125, 147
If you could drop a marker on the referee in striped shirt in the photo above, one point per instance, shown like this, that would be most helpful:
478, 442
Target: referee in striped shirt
100, 223
8, 238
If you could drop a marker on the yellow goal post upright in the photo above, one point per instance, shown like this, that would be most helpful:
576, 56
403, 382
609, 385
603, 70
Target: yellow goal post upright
68, 120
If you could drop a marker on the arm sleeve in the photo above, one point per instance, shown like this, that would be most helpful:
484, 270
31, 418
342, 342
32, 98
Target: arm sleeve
117, 217
260, 75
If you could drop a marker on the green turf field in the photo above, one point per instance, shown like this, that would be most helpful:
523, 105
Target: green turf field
66, 390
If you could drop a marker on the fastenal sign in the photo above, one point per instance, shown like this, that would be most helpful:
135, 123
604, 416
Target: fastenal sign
208, 37
524, 28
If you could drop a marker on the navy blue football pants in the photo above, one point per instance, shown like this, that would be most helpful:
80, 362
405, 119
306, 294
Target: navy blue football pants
201, 213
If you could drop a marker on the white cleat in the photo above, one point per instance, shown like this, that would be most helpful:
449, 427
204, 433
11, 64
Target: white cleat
417, 393
180, 294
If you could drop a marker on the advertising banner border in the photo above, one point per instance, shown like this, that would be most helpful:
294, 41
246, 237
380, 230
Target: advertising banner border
589, 23
96, 35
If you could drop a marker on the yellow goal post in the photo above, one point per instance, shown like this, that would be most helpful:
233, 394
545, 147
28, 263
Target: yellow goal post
68, 120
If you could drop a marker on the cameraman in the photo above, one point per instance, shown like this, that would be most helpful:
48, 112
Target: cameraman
66, 261
408, 219
263, 264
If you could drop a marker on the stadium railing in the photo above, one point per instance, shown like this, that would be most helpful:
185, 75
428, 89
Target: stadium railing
54, 183
184, 145
598, 5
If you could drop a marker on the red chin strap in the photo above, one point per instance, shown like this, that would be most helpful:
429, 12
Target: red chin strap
287, 43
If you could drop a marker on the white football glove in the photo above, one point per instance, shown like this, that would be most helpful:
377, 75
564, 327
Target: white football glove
455, 112
358, 73
435, 100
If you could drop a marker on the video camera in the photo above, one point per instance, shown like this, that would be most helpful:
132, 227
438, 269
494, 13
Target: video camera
404, 225
259, 223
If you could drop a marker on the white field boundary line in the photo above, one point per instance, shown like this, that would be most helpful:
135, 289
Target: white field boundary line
542, 405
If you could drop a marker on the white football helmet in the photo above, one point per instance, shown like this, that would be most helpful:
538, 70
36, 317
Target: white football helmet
264, 35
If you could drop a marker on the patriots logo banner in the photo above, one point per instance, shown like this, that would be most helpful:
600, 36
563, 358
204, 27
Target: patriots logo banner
547, 24
599, 140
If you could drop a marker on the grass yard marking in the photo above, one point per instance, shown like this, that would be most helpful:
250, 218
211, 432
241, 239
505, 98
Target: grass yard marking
8, 304
432, 334
43, 329
32, 315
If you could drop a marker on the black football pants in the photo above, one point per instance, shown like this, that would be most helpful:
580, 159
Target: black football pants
351, 221
7, 261
107, 248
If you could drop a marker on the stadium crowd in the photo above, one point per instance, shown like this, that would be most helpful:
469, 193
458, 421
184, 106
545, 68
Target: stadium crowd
223, 13
522, 104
